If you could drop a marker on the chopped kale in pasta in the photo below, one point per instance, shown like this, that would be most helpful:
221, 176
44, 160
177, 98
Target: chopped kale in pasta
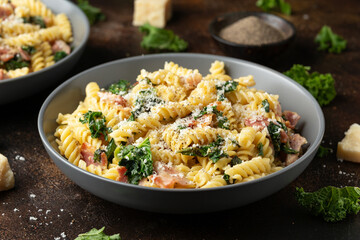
266, 105
225, 87
37, 20
16, 62
260, 147
96, 122
59, 55
222, 121
28, 49
136, 159
119, 88
212, 150
235, 160
145, 100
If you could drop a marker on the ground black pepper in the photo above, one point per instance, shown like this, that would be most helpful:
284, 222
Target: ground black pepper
251, 31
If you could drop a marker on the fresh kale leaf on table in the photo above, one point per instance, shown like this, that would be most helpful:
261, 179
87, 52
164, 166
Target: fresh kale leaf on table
321, 86
330, 41
161, 39
323, 151
97, 234
332, 203
136, 159
92, 13
274, 5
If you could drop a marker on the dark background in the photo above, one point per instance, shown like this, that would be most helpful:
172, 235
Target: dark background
60, 206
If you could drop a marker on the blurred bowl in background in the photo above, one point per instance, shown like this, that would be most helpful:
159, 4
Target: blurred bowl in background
17, 88
257, 53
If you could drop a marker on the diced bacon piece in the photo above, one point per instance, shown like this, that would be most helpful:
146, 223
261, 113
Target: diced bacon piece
87, 153
283, 136
6, 53
24, 55
6, 10
112, 98
258, 122
278, 111
205, 120
122, 177
169, 177
104, 160
3, 75
292, 119
192, 80
60, 45
296, 141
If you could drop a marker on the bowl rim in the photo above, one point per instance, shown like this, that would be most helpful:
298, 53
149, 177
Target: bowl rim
247, 14
77, 49
312, 148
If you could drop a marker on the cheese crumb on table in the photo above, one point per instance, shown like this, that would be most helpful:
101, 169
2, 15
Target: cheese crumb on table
7, 180
154, 12
349, 148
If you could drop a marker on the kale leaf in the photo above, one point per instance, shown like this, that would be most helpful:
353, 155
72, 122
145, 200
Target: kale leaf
225, 87
97, 234
16, 62
274, 132
109, 151
226, 177
321, 86
274, 5
212, 150
59, 55
146, 99
332, 203
97, 125
235, 160
266, 105
260, 147
94, 14
137, 160
119, 88
323, 151
29, 49
161, 39
330, 41
37, 20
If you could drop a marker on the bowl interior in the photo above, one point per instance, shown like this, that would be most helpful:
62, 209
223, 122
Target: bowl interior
220, 22
292, 97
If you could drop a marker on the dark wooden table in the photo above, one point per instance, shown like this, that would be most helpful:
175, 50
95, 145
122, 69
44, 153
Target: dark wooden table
62, 208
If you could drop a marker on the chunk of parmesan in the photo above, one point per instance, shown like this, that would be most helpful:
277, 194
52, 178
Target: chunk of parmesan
7, 180
154, 12
349, 148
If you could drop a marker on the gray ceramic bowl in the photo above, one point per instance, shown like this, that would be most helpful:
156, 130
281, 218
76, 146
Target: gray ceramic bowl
17, 88
66, 97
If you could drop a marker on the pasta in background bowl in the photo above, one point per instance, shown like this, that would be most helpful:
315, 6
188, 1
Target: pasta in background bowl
201, 171
40, 42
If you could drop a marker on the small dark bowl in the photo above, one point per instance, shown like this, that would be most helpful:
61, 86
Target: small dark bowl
257, 53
